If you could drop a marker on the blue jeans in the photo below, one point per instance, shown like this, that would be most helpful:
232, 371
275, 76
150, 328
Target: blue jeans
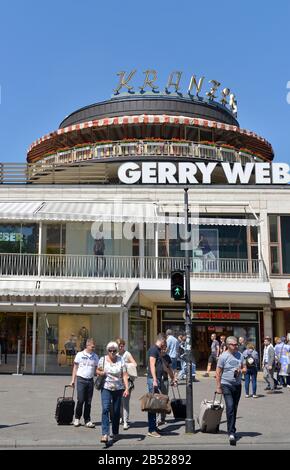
115, 398
85, 390
152, 416
251, 374
232, 395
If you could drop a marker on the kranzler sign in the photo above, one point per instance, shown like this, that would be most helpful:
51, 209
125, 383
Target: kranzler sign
202, 173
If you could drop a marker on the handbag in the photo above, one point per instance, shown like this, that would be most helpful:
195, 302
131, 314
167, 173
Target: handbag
100, 382
288, 369
132, 370
155, 403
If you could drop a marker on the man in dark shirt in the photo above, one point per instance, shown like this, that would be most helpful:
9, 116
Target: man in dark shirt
154, 376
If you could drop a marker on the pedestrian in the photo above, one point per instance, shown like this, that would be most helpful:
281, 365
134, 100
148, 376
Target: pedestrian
223, 346
230, 367
252, 362
282, 356
164, 383
242, 344
181, 356
84, 369
125, 405
215, 349
269, 364
172, 349
154, 376
115, 387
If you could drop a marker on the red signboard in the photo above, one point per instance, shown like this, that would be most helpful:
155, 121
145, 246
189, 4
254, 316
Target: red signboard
220, 315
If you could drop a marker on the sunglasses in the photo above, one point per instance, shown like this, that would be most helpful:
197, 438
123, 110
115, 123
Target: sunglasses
112, 350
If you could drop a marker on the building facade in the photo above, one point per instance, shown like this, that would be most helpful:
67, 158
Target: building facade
83, 255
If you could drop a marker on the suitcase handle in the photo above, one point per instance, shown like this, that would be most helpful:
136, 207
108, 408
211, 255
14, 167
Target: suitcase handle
214, 397
68, 386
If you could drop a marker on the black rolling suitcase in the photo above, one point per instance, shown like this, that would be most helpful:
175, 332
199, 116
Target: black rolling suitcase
178, 405
65, 407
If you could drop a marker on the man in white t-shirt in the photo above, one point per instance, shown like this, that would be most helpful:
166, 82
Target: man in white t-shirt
85, 366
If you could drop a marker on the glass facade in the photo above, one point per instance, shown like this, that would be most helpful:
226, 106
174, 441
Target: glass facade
18, 238
279, 230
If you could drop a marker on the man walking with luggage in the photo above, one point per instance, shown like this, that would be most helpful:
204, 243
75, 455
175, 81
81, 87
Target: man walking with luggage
230, 366
85, 365
154, 376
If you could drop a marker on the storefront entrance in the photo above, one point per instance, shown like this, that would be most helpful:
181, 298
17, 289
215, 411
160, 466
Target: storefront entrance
139, 334
201, 338
205, 322
15, 327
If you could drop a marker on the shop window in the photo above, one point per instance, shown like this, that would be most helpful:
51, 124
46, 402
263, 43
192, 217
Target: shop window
18, 238
55, 239
275, 265
275, 245
273, 226
285, 242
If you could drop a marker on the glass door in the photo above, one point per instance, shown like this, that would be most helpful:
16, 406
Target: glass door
138, 340
15, 327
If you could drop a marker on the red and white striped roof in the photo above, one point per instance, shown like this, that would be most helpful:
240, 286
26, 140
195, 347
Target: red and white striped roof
147, 119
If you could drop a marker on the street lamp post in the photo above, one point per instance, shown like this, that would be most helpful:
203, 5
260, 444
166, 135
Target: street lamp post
189, 421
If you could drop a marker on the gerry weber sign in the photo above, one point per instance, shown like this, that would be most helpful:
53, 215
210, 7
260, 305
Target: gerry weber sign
194, 87
186, 172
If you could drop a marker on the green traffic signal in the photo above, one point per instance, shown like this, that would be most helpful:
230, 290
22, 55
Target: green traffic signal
177, 292
177, 285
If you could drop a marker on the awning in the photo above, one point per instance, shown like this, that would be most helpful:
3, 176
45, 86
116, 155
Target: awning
73, 291
60, 288
106, 211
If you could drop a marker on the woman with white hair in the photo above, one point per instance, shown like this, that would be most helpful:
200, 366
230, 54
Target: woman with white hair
115, 387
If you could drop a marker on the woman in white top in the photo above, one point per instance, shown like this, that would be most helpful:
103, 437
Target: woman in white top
128, 358
115, 387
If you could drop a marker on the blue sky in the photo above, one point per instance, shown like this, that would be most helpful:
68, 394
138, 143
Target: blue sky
58, 56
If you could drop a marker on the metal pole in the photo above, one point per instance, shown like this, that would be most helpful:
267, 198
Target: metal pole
18, 367
189, 421
34, 340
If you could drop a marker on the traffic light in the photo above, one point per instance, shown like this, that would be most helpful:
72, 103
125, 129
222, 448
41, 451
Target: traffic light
177, 285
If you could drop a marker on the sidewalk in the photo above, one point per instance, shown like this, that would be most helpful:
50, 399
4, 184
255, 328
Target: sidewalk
28, 406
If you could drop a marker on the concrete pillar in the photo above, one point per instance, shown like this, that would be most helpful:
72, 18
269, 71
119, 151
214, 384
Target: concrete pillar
124, 318
264, 238
279, 324
268, 321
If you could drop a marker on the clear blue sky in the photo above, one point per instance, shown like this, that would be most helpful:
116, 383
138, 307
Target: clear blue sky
57, 56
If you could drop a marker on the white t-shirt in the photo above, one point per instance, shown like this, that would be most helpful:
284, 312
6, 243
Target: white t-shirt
87, 364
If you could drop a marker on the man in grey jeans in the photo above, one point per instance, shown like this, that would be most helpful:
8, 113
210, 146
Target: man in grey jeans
269, 364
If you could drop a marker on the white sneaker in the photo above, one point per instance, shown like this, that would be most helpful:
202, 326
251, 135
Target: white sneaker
77, 422
89, 424
126, 426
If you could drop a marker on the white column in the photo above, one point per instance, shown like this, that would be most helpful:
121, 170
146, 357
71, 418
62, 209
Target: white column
124, 324
268, 322
263, 238
156, 251
39, 249
141, 249
34, 340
